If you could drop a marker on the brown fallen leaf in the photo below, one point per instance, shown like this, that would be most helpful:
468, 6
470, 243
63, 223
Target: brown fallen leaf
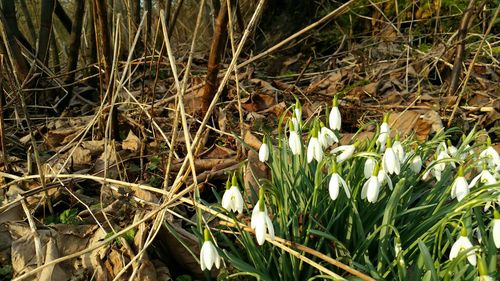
132, 142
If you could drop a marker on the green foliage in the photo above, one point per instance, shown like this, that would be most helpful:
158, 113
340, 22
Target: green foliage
68, 216
406, 233
6, 272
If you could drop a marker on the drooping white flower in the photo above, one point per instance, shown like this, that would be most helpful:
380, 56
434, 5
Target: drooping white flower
452, 150
232, 199
484, 177
327, 137
490, 155
346, 151
463, 244
371, 188
260, 222
297, 111
369, 166
416, 164
460, 187
314, 149
208, 254
385, 131
496, 228
264, 152
334, 119
334, 184
398, 149
294, 142
383, 178
483, 270
390, 161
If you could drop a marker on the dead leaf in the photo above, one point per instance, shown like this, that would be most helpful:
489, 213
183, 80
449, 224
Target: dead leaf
132, 142
81, 156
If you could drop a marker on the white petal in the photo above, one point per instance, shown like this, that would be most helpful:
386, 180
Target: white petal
461, 188
255, 213
310, 150
416, 164
474, 181
463, 244
373, 189
294, 142
237, 199
226, 200
334, 119
496, 232
346, 189
333, 186
207, 254
263, 152
270, 227
346, 152
365, 189
369, 166
260, 228
390, 163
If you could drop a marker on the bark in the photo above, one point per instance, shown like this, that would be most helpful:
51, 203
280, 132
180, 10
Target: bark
74, 51
103, 31
63, 16
171, 25
45, 30
28, 19
216, 50
9, 23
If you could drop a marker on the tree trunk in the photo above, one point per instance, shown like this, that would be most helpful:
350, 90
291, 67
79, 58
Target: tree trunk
9, 23
216, 50
45, 30
103, 31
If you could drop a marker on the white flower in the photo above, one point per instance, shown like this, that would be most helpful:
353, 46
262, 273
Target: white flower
416, 164
334, 185
390, 161
369, 166
294, 142
496, 232
334, 119
209, 256
314, 150
261, 223
327, 137
346, 152
460, 187
297, 114
492, 158
484, 177
371, 189
232, 200
263, 152
463, 244
384, 133
399, 150
383, 178
453, 151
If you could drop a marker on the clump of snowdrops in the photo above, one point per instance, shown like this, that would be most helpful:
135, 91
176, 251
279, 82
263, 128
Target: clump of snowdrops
388, 206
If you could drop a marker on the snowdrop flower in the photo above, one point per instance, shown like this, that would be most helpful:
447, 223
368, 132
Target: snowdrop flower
383, 178
371, 188
452, 150
460, 187
314, 149
297, 111
438, 167
260, 222
335, 181
398, 149
369, 166
390, 161
264, 151
491, 156
208, 254
416, 164
327, 137
485, 177
334, 119
294, 140
232, 199
346, 151
496, 228
385, 131
463, 244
